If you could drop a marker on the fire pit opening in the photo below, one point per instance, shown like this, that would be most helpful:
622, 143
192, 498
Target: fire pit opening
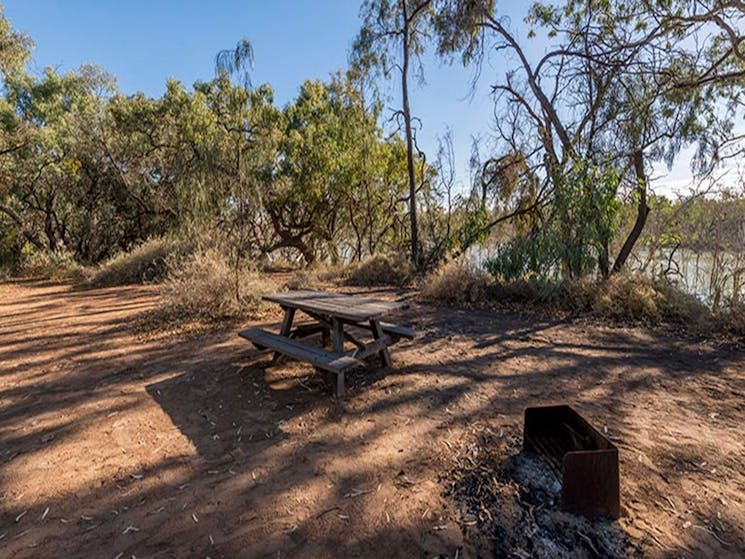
581, 458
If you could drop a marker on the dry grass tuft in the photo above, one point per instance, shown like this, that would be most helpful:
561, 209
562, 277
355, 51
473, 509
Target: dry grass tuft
381, 269
205, 288
146, 263
316, 276
637, 298
455, 283
622, 298
732, 319
676, 306
566, 295
627, 297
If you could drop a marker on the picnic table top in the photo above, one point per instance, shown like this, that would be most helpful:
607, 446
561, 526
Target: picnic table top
347, 307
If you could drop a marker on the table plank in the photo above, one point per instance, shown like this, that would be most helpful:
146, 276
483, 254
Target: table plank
347, 307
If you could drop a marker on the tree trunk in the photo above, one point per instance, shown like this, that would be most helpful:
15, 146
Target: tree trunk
409, 140
641, 216
30, 237
49, 230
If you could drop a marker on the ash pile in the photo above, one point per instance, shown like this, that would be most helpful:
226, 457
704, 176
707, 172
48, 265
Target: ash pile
509, 505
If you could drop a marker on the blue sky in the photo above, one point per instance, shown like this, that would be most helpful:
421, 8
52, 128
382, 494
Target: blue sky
143, 43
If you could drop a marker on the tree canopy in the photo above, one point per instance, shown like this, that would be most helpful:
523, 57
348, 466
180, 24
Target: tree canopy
621, 87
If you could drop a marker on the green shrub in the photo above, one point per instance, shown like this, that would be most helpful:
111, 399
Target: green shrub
381, 269
146, 263
55, 265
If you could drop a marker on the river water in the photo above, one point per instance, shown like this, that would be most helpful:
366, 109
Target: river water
713, 277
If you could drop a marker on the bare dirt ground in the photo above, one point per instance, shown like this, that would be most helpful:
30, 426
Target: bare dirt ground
117, 447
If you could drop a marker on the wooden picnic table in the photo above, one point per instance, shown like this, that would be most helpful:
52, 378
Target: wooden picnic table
333, 314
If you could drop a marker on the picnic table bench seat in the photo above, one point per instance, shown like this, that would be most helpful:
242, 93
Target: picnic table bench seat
316, 356
396, 332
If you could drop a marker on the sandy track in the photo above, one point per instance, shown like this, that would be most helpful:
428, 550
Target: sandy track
115, 447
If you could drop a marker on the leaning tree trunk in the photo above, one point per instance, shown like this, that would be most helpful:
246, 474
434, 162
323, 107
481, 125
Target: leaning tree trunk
641, 216
409, 140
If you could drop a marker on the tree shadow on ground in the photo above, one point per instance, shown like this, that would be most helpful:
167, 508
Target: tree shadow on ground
194, 448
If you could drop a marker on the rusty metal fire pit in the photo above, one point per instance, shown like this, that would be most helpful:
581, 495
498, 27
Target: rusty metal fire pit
583, 459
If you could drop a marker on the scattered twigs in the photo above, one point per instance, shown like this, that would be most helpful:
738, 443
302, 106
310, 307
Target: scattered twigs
326, 511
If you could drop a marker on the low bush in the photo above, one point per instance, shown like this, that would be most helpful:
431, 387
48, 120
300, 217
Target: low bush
380, 269
627, 297
56, 265
562, 295
622, 298
205, 287
146, 263
316, 276
676, 306
731, 319
455, 283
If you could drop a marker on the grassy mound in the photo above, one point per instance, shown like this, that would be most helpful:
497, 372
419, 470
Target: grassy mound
624, 297
455, 283
206, 288
381, 269
148, 262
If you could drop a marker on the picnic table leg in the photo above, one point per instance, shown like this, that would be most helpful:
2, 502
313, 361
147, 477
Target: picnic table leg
285, 329
385, 354
337, 334
287, 321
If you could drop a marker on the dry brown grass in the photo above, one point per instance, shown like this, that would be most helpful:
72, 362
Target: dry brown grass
732, 319
316, 276
455, 283
205, 288
627, 298
146, 263
381, 269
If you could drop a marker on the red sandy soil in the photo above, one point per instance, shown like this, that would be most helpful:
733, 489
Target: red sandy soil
112, 445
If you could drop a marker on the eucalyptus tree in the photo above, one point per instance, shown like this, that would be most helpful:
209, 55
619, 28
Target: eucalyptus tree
393, 35
705, 46
14, 54
332, 157
238, 61
14, 132
589, 114
63, 173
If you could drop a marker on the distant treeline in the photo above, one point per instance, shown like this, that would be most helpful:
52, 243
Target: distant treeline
561, 190
697, 223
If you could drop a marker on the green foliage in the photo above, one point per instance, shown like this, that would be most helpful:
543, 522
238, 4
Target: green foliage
95, 172
53, 265
474, 228
87, 174
573, 240
14, 47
